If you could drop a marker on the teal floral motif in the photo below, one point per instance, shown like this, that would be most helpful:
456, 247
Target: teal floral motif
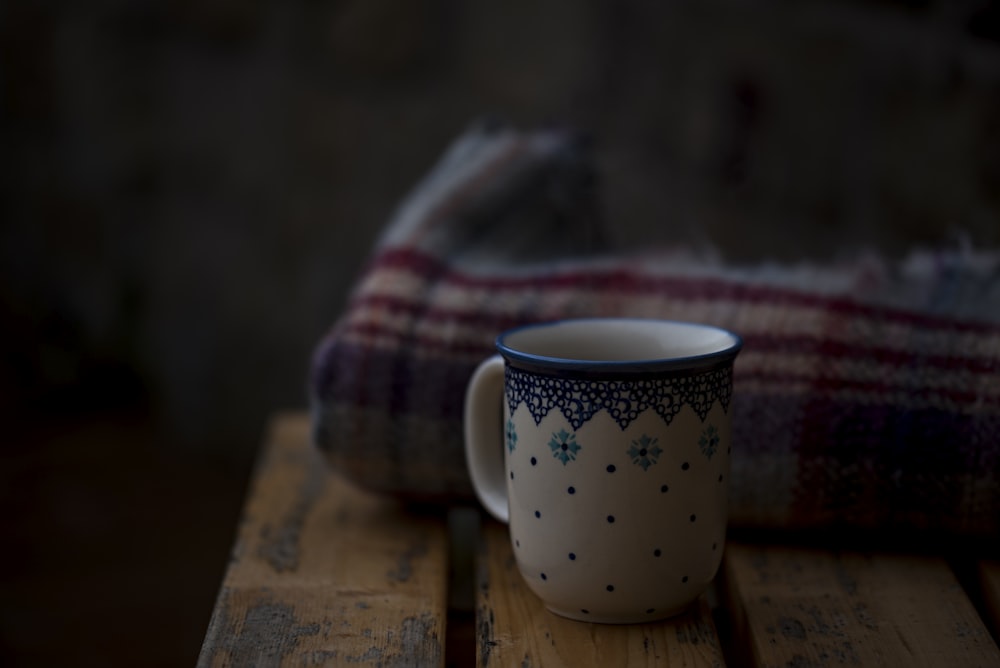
644, 452
511, 435
564, 446
709, 441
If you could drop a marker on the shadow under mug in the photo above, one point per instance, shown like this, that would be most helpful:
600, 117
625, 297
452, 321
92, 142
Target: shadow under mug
609, 460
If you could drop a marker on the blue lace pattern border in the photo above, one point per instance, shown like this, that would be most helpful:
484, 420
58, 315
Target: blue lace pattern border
624, 400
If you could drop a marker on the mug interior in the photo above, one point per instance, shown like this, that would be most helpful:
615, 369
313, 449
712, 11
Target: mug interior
618, 342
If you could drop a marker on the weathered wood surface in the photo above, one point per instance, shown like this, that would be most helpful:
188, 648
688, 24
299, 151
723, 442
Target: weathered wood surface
325, 574
513, 628
802, 607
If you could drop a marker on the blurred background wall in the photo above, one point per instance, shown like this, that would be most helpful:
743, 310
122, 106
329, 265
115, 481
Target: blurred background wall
189, 187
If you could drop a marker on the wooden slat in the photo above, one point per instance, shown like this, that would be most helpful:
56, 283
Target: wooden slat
989, 580
325, 574
515, 629
807, 607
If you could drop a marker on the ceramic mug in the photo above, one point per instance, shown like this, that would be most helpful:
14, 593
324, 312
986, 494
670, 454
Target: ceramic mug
609, 460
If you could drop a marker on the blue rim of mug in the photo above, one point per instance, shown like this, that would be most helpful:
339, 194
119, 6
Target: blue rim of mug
615, 368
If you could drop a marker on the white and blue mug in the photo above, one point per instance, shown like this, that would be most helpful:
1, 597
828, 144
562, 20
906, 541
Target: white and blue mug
610, 463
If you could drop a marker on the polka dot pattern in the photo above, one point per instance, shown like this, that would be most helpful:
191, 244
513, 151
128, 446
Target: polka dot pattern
659, 500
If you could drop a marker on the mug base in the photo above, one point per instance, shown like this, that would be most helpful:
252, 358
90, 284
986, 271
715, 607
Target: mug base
631, 617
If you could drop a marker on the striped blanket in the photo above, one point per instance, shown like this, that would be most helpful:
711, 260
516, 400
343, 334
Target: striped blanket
867, 395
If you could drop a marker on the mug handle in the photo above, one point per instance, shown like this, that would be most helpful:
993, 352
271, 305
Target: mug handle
483, 436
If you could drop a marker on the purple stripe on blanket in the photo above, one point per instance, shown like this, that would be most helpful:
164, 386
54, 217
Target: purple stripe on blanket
620, 279
873, 466
395, 381
880, 466
496, 321
848, 468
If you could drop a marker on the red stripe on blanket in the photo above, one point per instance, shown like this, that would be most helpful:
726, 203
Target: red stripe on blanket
621, 280
776, 342
823, 387
824, 378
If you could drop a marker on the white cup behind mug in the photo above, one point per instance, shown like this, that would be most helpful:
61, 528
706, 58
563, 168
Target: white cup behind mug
610, 462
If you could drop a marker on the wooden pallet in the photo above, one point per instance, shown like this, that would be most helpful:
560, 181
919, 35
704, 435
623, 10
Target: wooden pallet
325, 574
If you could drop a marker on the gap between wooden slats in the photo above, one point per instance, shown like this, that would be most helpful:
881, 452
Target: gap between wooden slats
989, 582
808, 607
513, 628
325, 574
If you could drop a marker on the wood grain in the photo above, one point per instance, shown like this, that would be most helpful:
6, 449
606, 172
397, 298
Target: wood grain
515, 629
803, 607
325, 574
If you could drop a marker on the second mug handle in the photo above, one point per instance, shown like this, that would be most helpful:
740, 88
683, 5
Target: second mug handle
483, 436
